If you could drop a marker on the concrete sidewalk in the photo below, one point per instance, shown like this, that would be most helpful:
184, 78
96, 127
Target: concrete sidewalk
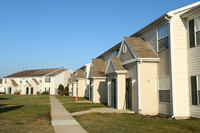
62, 120
101, 110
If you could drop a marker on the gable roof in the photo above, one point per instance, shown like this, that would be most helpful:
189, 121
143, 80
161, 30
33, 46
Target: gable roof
98, 68
114, 48
117, 63
140, 48
32, 73
73, 79
80, 73
56, 72
35, 81
13, 82
115, 66
69, 80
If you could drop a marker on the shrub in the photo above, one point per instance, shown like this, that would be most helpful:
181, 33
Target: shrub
64, 93
45, 93
17, 93
60, 88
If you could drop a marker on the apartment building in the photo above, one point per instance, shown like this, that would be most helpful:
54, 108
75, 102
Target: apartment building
36, 81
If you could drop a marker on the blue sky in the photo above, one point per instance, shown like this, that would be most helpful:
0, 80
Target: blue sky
37, 34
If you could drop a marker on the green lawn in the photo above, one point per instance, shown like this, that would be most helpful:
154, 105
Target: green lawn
25, 114
72, 106
132, 123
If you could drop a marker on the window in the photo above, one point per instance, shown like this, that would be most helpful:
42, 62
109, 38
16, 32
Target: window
40, 80
47, 80
20, 80
195, 90
164, 89
163, 37
194, 32
5, 81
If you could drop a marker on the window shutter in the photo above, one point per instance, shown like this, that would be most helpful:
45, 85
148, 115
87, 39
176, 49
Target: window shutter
191, 33
194, 90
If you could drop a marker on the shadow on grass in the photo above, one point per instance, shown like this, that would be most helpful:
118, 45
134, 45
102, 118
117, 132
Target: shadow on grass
3, 105
11, 108
1, 98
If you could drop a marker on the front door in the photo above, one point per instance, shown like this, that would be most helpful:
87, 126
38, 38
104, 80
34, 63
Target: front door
128, 93
31, 90
9, 90
113, 93
27, 90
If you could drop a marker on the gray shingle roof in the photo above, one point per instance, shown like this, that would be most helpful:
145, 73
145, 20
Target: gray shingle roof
140, 47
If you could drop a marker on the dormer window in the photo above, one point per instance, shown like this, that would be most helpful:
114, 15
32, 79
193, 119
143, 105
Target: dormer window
194, 32
163, 37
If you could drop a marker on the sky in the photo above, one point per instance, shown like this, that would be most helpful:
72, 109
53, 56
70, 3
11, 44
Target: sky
40, 34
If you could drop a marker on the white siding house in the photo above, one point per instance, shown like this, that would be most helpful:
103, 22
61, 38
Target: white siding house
36, 81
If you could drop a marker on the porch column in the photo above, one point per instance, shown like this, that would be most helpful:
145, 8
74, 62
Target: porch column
121, 91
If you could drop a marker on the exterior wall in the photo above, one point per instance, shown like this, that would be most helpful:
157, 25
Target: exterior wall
121, 91
132, 73
1, 88
55, 81
148, 88
179, 53
70, 89
81, 87
87, 81
126, 56
74, 89
194, 69
100, 91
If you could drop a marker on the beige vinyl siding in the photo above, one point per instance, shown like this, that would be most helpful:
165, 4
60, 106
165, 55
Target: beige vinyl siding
194, 69
194, 60
100, 91
81, 87
180, 73
148, 87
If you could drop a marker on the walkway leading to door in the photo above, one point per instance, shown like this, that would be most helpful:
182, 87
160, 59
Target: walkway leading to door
62, 120
102, 110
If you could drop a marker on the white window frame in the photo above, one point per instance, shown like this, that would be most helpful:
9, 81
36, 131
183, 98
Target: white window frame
47, 81
195, 30
163, 89
162, 37
198, 89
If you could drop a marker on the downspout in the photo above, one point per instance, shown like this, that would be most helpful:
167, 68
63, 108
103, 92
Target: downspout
172, 76
139, 92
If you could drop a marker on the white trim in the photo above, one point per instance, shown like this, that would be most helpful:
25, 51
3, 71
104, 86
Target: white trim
171, 13
140, 59
121, 47
197, 78
99, 77
172, 74
148, 59
107, 65
93, 94
121, 71
128, 62
138, 79
117, 91
108, 88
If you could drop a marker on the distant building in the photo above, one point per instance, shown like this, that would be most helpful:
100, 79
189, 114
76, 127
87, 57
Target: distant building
35, 81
